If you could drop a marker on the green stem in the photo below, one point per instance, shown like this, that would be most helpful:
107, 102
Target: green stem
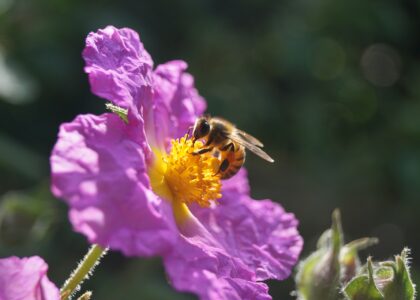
83, 270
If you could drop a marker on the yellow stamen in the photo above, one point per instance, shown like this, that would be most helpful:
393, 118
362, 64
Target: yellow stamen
183, 178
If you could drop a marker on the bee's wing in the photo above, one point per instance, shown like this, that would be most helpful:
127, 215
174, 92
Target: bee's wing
250, 146
248, 138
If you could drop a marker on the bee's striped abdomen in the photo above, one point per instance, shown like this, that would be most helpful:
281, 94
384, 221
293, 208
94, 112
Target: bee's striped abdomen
235, 161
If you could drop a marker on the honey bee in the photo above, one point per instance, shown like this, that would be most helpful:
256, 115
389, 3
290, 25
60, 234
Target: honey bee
226, 142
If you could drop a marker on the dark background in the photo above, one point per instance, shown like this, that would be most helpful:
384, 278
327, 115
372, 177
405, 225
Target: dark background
331, 87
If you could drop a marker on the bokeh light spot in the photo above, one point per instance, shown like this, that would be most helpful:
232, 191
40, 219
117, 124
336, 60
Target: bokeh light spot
381, 65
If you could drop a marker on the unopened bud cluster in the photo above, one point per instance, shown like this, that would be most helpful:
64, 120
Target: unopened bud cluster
334, 271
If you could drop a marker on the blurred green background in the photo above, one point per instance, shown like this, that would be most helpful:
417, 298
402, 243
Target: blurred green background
331, 87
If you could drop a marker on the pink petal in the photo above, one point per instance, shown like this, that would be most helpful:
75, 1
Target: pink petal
200, 266
98, 167
176, 101
236, 185
26, 278
260, 233
119, 68
230, 247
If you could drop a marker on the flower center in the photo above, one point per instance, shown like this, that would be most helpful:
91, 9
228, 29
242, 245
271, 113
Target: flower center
184, 178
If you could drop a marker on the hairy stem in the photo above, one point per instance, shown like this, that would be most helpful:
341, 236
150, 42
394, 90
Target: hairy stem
83, 271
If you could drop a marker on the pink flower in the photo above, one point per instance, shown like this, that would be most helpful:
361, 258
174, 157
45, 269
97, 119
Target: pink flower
136, 188
26, 279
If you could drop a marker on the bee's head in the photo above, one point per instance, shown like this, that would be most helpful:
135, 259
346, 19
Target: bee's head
201, 128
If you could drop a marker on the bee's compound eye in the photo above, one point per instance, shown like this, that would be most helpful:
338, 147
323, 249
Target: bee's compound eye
204, 128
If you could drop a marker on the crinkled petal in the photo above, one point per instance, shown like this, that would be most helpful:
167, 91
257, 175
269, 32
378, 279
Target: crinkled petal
26, 278
119, 68
98, 167
229, 248
237, 184
259, 232
176, 101
200, 266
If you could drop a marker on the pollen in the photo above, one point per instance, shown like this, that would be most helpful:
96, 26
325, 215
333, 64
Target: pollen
183, 177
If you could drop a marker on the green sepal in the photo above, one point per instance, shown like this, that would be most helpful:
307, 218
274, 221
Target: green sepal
363, 287
119, 111
399, 286
389, 280
349, 257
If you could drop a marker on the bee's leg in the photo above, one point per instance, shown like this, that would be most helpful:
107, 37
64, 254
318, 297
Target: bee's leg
209, 140
188, 132
229, 147
202, 151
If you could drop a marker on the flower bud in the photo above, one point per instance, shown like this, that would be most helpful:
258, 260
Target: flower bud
399, 285
319, 275
384, 280
349, 258
323, 273
363, 287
